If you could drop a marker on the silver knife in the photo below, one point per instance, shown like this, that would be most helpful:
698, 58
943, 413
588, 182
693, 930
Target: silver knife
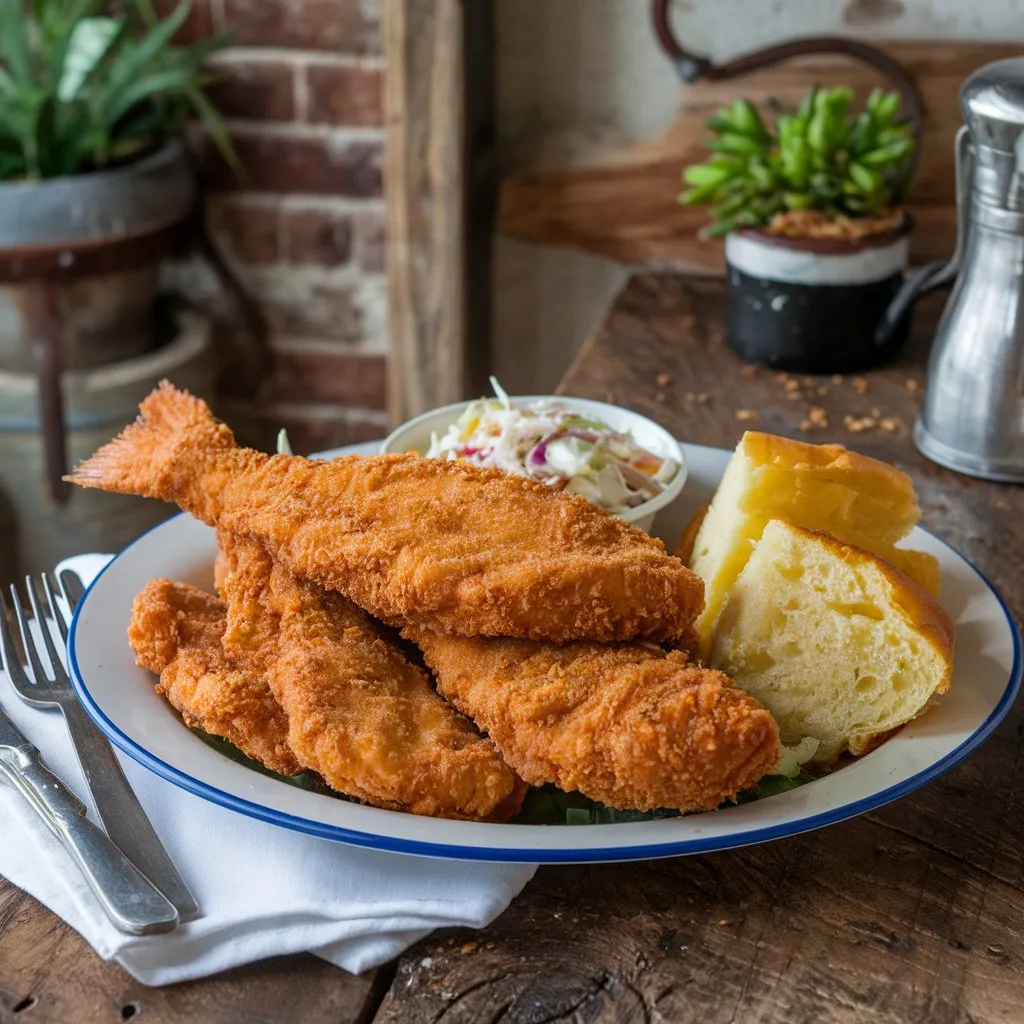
118, 806
131, 902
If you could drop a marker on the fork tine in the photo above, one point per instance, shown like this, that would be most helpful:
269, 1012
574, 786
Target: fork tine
58, 612
12, 660
44, 627
26, 637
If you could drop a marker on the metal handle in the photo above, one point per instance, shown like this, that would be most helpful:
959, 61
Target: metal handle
128, 899
116, 803
942, 273
692, 66
73, 587
120, 811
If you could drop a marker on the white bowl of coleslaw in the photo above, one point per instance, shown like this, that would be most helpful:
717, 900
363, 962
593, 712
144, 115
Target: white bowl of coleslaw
616, 458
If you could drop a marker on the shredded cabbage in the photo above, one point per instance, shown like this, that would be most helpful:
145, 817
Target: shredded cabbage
549, 442
792, 759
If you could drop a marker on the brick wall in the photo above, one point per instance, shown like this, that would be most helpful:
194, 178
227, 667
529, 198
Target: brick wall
301, 93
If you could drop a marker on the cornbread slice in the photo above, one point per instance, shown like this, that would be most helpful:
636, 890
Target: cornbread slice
859, 500
835, 642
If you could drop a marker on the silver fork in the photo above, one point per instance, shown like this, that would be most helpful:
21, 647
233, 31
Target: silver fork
119, 809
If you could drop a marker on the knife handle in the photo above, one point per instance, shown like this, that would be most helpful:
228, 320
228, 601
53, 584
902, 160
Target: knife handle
117, 805
127, 897
120, 811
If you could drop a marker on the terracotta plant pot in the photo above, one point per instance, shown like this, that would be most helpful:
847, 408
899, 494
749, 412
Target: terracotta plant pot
811, 305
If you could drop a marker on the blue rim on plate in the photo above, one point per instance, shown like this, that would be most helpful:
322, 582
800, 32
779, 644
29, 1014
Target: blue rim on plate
576, 854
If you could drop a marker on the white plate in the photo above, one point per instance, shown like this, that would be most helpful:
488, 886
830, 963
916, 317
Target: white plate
121, 699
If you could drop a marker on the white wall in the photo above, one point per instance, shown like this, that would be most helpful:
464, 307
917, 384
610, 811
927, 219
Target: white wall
575, 74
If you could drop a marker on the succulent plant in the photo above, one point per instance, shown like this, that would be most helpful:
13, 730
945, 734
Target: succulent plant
89, 83
821, 157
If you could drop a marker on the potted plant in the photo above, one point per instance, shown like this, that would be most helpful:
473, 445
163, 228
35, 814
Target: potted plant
815, 241
95, 183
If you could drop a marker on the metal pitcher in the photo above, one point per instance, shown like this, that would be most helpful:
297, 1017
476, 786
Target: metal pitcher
973, 415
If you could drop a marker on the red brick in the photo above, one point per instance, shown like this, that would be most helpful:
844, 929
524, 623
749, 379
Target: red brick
370, 227
198, 24
310, 429
315, 371
339, 26
253, 90
319, 236
247, 228
286, 162
316, 311
346, 94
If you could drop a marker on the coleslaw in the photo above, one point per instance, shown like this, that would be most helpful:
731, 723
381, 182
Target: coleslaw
551, 443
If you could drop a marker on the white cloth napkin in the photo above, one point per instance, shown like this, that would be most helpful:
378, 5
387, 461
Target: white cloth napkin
263, 890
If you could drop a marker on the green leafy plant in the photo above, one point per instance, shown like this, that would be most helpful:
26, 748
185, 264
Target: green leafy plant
83, 86
821, 157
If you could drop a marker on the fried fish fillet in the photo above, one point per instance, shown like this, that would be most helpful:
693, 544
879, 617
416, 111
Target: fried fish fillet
625, 724
358, 712
441, 544
176, 632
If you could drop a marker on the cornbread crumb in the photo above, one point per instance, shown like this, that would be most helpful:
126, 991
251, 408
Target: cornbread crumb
837, 378
747, 415
702, 398
860, 385
857, 424
663, 380
913, 386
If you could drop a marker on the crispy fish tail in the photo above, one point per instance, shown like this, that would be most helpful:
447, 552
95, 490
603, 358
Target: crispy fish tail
173, 430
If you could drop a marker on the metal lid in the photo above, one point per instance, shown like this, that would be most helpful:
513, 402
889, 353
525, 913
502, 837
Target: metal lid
993, 104
992, 100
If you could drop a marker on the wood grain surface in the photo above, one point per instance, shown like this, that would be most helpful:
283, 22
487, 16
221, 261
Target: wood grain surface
621, 202
912, 914
49, 975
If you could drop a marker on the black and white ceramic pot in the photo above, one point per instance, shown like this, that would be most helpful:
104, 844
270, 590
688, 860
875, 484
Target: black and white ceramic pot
813, 305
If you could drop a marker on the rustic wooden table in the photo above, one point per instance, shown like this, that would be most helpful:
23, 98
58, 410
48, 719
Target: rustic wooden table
914, 913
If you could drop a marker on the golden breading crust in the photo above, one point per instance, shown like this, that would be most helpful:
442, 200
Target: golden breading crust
358, 712
176, 632
625, 724
434, 543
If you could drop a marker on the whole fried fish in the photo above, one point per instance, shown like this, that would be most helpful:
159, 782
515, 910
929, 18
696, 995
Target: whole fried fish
434, 543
